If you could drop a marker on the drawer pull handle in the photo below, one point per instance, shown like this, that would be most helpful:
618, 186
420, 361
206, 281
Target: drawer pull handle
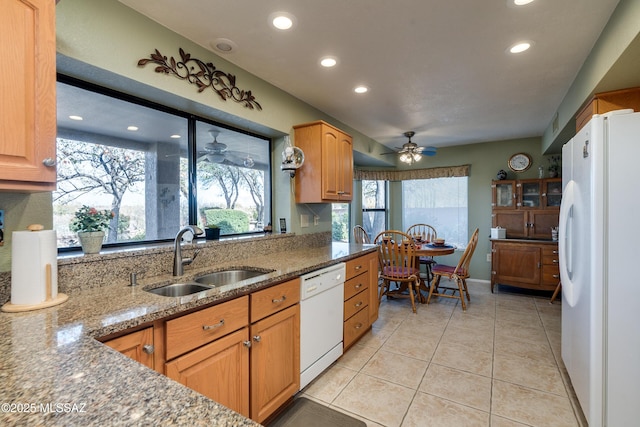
217, 325
358, 286
358, 304
278, 301
555, 252
555, 261
358, 267
358, 326
556, 276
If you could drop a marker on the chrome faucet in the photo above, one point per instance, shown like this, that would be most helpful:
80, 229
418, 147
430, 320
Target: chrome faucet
178, 261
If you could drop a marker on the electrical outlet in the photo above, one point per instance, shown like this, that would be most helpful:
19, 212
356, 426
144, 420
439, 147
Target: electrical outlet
316, 219
489, 257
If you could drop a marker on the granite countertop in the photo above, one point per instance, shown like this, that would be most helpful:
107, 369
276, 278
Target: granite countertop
54, 372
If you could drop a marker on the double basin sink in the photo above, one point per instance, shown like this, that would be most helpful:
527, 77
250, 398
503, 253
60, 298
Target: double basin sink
206, 282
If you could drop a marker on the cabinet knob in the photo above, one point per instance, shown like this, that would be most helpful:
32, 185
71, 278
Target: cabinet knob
246, 343
358, 304
49, 162
148, 348
257, 338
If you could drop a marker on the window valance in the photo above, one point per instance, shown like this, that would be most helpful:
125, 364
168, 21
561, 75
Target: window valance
403, 175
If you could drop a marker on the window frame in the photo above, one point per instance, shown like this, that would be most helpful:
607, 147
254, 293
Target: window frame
191, 120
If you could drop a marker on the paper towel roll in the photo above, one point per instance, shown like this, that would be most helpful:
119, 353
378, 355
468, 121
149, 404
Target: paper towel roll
30, 253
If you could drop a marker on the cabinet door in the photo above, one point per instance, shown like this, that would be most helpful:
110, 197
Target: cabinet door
28, 101
516, 264
345, 168
552, 193
331, 184
541, 222
136, 345
503, 194
515, 222
529, 194
275, 361
219, 370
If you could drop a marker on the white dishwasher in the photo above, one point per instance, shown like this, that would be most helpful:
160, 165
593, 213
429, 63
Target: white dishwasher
321, 320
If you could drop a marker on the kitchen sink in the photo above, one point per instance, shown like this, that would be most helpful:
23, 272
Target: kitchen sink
226, 277
179, 289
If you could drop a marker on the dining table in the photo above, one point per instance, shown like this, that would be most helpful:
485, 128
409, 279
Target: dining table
427, 249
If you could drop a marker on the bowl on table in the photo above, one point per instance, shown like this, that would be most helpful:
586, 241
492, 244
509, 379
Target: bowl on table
438, 242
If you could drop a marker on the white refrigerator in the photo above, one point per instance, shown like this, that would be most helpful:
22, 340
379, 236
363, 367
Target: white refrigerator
599, 244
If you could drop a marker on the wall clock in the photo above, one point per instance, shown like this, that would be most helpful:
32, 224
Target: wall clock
520, 162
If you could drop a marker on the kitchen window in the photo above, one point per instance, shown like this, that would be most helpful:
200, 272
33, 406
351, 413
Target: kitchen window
374, 207
155, 168
441, 203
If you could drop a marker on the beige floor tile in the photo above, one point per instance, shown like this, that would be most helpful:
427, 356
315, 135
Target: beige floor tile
376, 400
375, 337
539, 352
328, 385
478, 339
465, 358
393, 367
504, 422
526, 332
473, 320
412, 345
356, 357
531, 407
458, 386
428, 410
528, 373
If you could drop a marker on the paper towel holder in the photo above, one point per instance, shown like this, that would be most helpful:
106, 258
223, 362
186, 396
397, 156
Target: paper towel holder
49, 301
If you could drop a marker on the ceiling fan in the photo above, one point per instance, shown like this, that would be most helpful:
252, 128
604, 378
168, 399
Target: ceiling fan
216, 152
410, 152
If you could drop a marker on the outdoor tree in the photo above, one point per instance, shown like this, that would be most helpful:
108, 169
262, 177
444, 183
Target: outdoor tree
85, 168
254, 180
227, 177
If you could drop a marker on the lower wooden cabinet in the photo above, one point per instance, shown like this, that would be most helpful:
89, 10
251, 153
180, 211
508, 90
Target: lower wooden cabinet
360, 297
275, 361
218, 370
528, 264
136, 345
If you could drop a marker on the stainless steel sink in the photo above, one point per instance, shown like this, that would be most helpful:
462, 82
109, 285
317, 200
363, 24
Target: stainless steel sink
179, 289
226, 277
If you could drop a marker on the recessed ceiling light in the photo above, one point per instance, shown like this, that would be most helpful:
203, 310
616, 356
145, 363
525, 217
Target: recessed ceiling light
282, 20
521, 2
223, 45
132, 128
328, 61
520, 47
361, 89
175, 136
75, 117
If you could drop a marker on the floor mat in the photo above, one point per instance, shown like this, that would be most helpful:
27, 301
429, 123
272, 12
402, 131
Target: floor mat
307, 413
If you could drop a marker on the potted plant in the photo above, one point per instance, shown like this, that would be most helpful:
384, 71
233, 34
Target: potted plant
212, 232
554, 166
90, 224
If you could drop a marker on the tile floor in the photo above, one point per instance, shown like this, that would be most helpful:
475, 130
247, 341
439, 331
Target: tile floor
496, 365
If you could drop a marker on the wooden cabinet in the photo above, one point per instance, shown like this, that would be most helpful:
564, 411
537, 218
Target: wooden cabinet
526, 264
208, 351
526, 208
28, 101
327, 173
218, 370
275, 350
136, 345
608, 101
360, 297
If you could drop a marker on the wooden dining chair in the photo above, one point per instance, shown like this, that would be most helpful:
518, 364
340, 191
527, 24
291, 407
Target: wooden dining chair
397, 263
360, 235
459, 274
425, 233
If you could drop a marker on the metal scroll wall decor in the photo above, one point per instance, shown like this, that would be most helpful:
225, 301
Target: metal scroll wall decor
203, 75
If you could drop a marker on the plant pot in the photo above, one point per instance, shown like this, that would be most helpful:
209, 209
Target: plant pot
91, 241
212, 233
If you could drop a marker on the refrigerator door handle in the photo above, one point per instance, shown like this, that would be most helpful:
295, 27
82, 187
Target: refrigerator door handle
564, 249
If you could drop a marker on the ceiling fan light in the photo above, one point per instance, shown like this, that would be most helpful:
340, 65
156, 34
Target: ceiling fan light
417, 157
215, 157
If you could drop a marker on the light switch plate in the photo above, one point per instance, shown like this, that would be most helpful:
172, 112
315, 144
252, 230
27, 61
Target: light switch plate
304, 221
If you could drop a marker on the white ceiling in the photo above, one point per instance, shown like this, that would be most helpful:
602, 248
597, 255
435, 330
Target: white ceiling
437, 67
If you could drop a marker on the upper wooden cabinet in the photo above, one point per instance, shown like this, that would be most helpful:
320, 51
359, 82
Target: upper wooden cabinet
608, 101
28, 101
327, 173
526, 208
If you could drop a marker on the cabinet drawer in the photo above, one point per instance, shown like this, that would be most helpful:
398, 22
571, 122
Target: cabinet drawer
356, 266
356, 303
550, 255
356, 326
193, 330
355, 285
550, 275
271, 300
